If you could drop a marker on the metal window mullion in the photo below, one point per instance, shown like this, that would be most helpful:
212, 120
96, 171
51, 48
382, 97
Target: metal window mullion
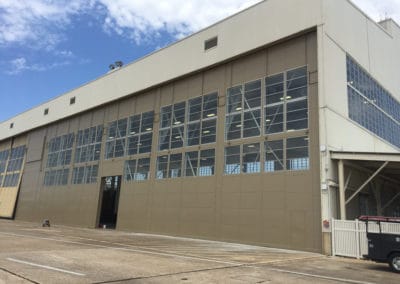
284, 107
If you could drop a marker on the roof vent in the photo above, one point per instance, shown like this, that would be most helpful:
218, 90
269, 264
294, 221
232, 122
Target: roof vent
210, 43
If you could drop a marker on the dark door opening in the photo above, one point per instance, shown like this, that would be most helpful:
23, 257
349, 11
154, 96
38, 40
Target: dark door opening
109, 197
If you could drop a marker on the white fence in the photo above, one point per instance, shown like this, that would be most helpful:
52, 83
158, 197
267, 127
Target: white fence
349, 238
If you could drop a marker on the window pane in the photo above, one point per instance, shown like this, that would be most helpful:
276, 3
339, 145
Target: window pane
145, 143
147, 121
274, 89
164, 139
274, 119
233, 126
175, 165
251, 123
133, 145
232, 160
191, 159
134, 124
297, 157
210, 105
193, 134
234, 99
252, 95
143, 169
207, 162
130, 168
179, 113
166, 113
177, 137
119, 147
194, 109
162, 165
121, 127
297, 115
251, 158
209, 131
273, 156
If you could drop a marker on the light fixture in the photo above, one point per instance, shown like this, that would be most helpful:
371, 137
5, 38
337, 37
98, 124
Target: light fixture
210, 114
177, 137
177, 122
149, 129
268, 120
139, 144
288, 97
251, 146
238, 108
133, 132
239, 125
206, 131
110, 137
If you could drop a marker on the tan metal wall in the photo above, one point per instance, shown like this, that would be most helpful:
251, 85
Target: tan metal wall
280, 209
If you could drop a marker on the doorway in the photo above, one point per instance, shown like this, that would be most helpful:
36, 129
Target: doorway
109, 198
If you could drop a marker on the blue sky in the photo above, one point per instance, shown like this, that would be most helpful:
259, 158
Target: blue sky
49, 47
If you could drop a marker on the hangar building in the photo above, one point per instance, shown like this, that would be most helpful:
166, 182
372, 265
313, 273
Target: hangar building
257, 129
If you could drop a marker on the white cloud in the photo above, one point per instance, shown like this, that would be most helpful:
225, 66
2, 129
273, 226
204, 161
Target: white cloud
141, 20
36, 23
20, 64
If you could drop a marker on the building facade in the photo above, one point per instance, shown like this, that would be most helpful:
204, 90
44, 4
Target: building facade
257, 130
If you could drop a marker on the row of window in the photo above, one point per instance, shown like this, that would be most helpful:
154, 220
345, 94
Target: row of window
10, 180
10, 164
371, 89
80, 175
285, 154
283, 108
88, 144
371, 106
60, 150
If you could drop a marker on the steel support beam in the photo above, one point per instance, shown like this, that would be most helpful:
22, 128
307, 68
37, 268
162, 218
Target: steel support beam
367, 181
391, 201
342, 196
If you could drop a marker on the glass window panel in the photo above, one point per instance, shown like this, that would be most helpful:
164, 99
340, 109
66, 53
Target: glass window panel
251, 158
134, 124
175, 165
252, 95
147, 121
251, 123
296, 83
145, 143
208, 132
191, 164
143, 169
194, 109
166, 114
297, 157
297, 115
193, 134
164, 139
133, 146
121, 127
232, 160
273, 156
233, 126
274, 119
130, 169
210, 103
234, 99
119, 148
177, 137
162, 167
179, 113
207, 162
296, 73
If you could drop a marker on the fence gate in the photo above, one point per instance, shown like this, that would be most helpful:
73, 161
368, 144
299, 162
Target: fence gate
349, 238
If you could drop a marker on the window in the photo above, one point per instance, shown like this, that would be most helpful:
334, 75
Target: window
243, 117
60, 150
56, 177
251, 158
140, 133
200, 163
162, 167
11, 125
232, 160
172, 126
11, 180
88, 144
85, 174
115, 143
72, 101
16, 159
297, 157
3, 160
286, 107
210, 43
273, 151
46, 111
371, 106
202, 120
138, 169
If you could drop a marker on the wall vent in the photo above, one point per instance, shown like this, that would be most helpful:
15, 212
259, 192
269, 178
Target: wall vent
210, 43
46, 111
72, 101
11, 125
